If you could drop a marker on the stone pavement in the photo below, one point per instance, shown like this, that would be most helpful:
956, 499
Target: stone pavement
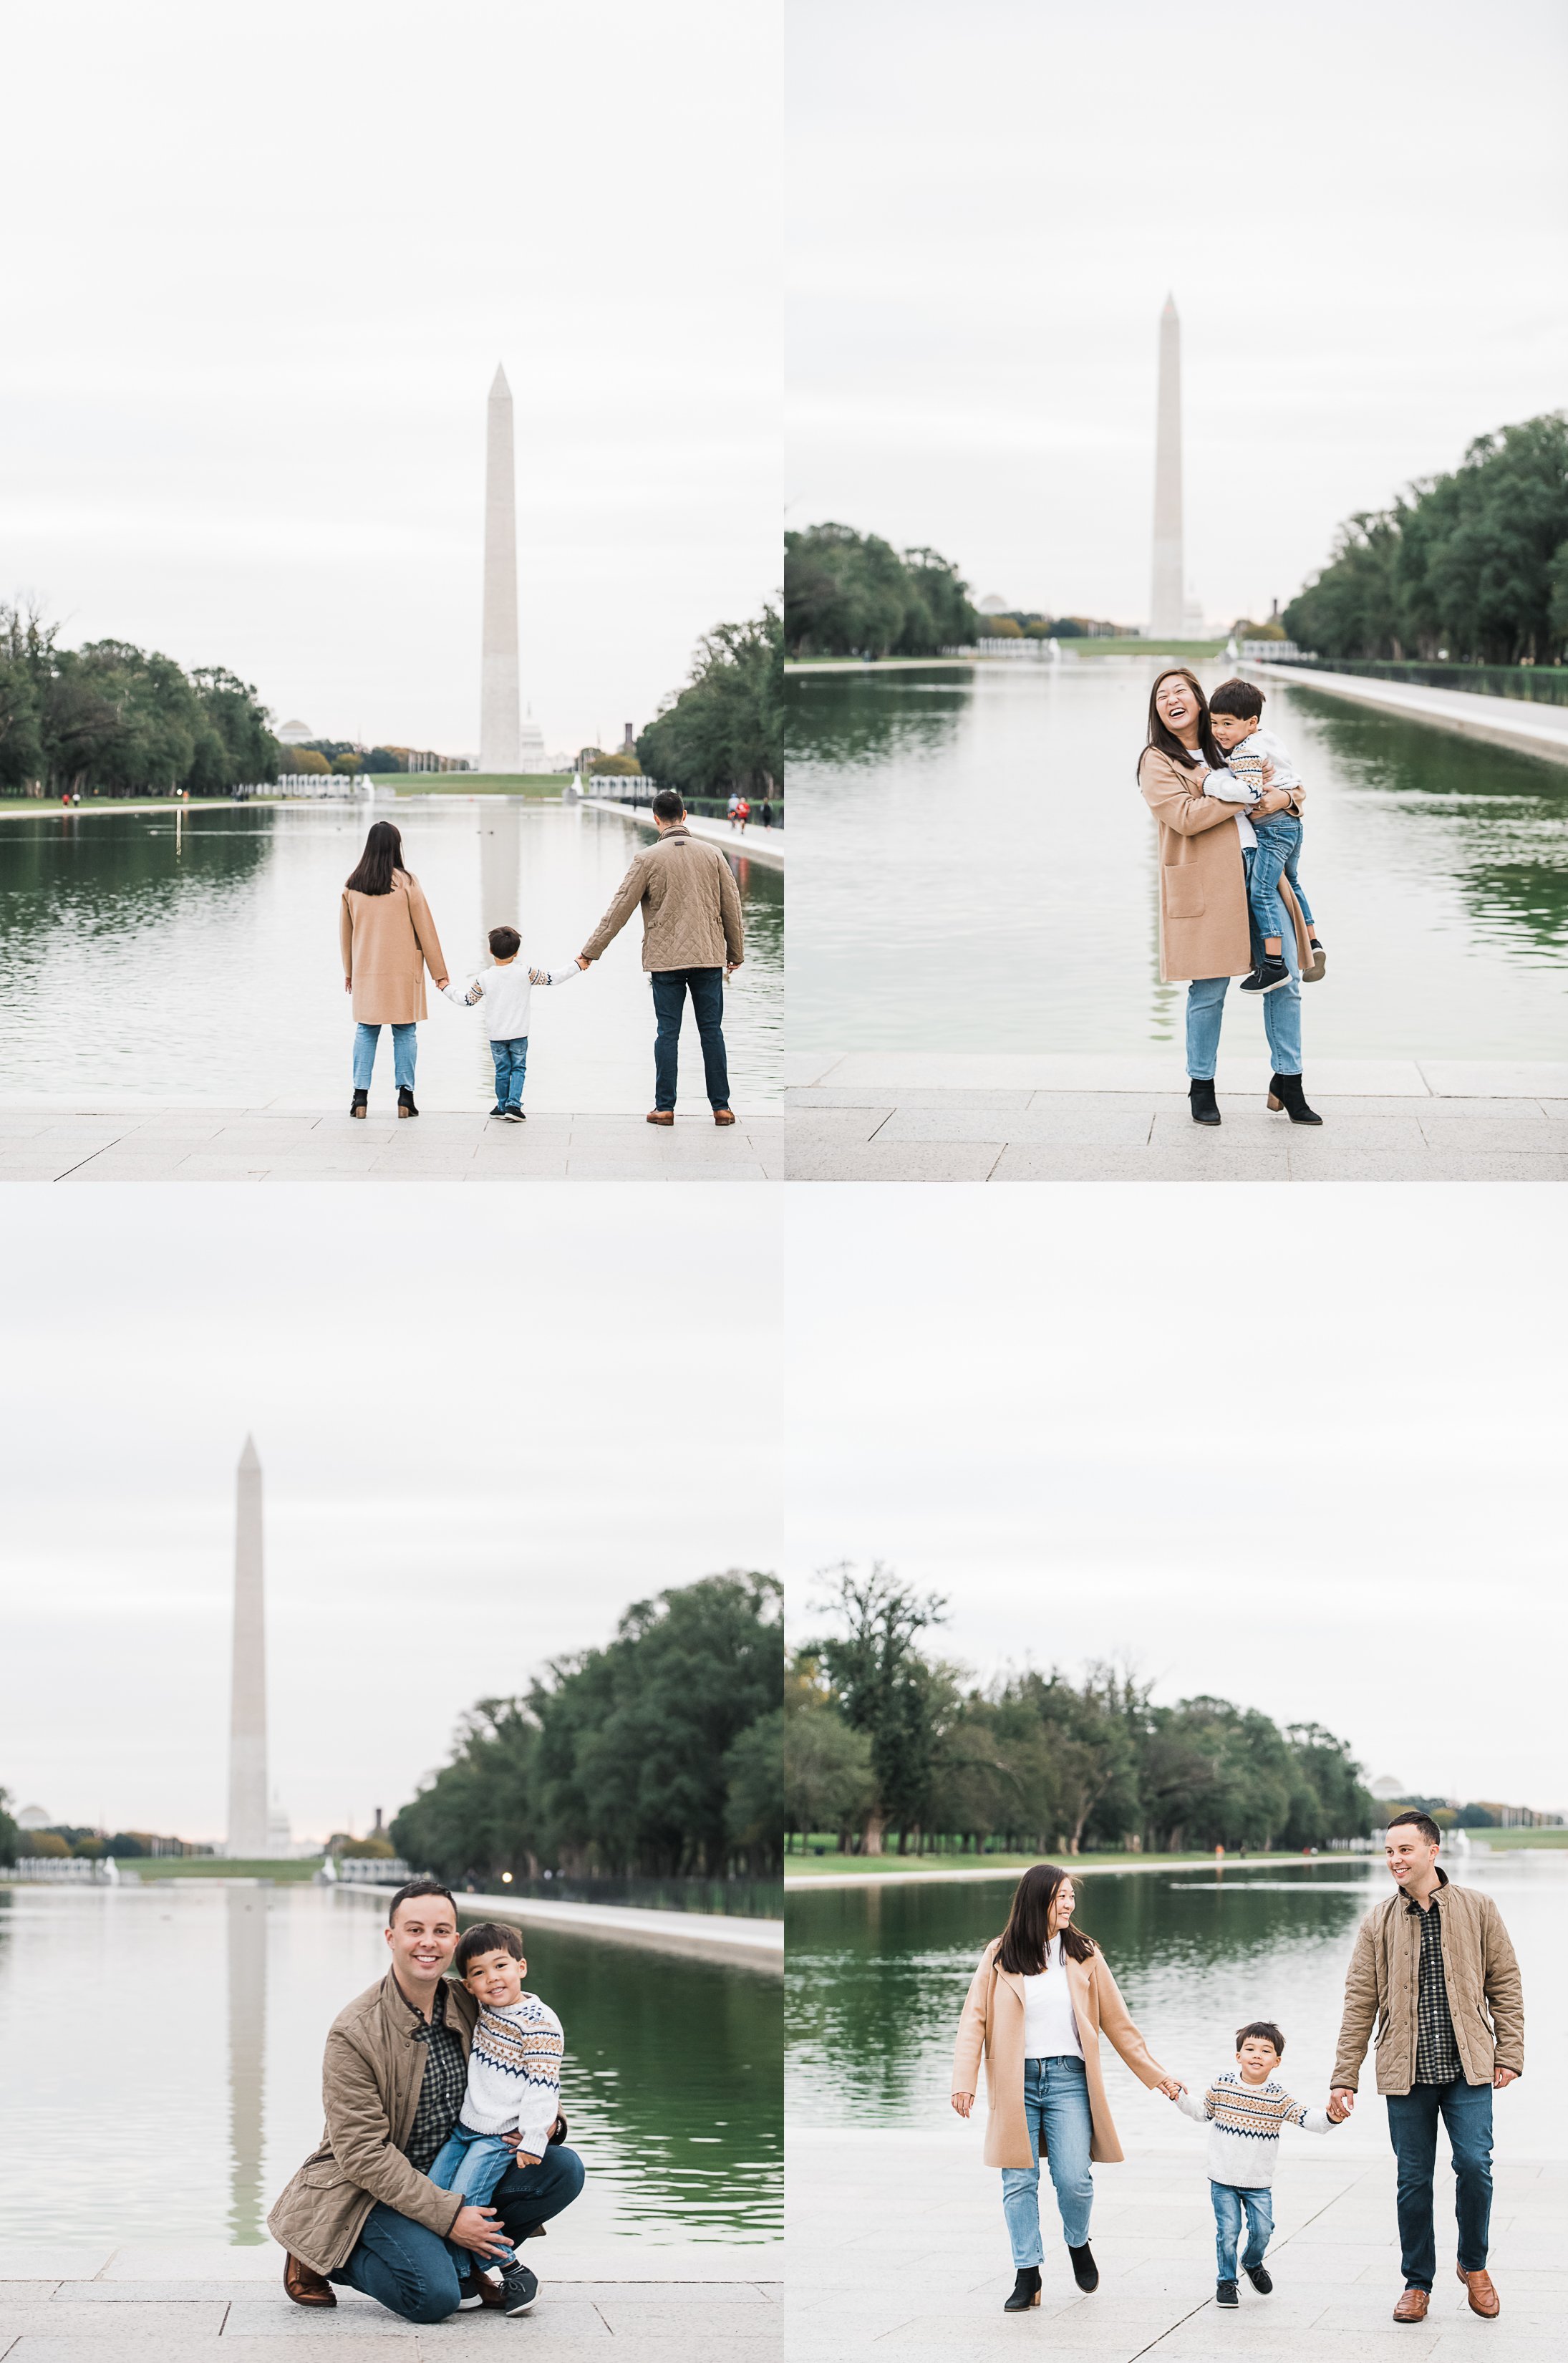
896, 2246
1534, 729
758, 844
63, 2303
43, 1144
903, 1116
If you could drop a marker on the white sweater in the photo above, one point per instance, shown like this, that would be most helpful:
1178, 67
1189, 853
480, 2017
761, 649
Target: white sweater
514, 2073
1243, 2123
1241, 782
504, 994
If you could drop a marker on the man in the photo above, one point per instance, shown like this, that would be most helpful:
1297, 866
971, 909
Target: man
692, 940
362, 2210
1434, 1971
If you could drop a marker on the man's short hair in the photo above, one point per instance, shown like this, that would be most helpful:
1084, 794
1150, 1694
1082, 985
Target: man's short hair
486, 1936
1266, 2031
505, 942
1237, 698
666, 805
415, 1888
1413, 1821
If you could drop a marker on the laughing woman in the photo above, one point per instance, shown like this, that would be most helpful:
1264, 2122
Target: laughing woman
388, 940
1205, 851
1040, 2001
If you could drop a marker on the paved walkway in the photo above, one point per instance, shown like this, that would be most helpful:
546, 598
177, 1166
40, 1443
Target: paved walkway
758, 844
898, 1116
61, 2302
708, 1936
896, 2247
1505, 721
286, 1145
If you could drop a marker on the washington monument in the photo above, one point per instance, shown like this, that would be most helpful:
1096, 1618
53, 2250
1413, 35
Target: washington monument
500, 730
248, 1836
1167, 601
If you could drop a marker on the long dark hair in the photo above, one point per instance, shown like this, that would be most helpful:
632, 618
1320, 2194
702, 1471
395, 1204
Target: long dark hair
1028, 1930
1162, 737
379, 863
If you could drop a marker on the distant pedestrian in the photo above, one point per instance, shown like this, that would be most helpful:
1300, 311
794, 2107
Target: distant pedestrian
743, 814
766, 812
388, 940
692, 939
1434, 1971
733, 808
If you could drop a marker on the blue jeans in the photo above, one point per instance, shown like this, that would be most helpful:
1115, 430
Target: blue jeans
405, 1045
1057, 2110
1281, 1009
1279, 854
1466, 2111
1230, 2206
469, 2165
410, 2271
511, 1066
706, 986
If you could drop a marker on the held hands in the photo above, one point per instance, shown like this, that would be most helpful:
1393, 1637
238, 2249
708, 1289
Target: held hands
963, 2103
583, 961
1341, 2101
476, 2228
1170, 2087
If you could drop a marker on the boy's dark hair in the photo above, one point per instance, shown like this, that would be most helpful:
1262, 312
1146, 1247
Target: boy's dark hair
666, 805
505, 942
486, 1936
1238, 698
1415, 1821
1264, 2028
417, 1887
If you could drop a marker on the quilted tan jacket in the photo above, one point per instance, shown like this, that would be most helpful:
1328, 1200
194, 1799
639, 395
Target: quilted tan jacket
1484, 1998
690, 902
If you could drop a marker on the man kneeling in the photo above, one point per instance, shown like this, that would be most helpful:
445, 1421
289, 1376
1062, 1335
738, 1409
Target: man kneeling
362, 2210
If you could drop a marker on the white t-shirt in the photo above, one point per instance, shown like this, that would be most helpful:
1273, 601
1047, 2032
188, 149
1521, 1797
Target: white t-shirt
1050, 2030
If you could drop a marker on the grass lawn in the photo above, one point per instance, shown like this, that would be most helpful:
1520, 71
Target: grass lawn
1506, 1841
211, 1865
474, 783
804, 1867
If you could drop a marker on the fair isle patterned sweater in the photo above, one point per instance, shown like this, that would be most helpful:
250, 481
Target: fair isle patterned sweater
514, 2072
1243, 2123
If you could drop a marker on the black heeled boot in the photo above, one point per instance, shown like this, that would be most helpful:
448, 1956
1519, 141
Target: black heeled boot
405, 1101
1086, 2272
359, 1102
1205, 1107
1025, 2291
1284, 1092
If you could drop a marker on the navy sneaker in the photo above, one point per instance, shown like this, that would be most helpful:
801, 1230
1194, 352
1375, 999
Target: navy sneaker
1268, 976
513, 1114
519, 2288
1225, 2295
1260, 2278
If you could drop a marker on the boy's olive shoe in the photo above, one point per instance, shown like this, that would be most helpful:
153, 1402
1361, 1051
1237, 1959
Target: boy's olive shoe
1225, 2294
1313, 972
1260, 2278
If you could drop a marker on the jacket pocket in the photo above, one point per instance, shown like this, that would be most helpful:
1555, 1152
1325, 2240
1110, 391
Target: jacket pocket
1184, 892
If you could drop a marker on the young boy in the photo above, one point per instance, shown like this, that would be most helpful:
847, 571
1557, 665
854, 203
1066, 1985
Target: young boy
505, 990
514, 2087
1234, 712
1245, 2109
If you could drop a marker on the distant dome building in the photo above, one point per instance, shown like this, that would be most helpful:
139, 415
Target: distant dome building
294, 734
993, 603
532, 758
32, 1817
1386, 1789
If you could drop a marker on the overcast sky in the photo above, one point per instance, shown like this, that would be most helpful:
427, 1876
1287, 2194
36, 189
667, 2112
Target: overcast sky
485, 1429
987, 214
1304, 1454
264, 262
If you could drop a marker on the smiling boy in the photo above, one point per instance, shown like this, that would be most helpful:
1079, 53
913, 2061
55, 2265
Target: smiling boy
1245, 2111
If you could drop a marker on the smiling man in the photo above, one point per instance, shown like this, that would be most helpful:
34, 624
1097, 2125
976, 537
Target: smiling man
363, 2209
1434, 1971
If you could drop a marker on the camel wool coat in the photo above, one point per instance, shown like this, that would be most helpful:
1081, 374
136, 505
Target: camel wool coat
388, 941
1204, 929
992, 2028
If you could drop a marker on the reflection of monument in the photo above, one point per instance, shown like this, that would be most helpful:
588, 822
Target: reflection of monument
500, 748
247, 1815
1166, 606
500, 845
247, 2058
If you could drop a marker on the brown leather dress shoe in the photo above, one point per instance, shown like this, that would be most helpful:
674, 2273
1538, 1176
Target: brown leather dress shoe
1412, 2306
661, 1115
1484, 2298
724, 1115
306, 2285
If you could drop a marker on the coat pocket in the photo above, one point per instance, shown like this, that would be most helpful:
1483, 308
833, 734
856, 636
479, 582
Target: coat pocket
1184, 892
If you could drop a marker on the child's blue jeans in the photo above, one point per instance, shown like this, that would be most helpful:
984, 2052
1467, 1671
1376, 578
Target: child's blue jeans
1279, 854
1229, 2207
406, 1044
510, 1065
469, 2165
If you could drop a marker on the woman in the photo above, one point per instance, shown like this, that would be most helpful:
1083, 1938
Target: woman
1205, 936
1039, 2003
389, 940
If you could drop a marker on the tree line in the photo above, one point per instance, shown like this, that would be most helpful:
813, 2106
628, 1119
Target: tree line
853, 595
726, 729
884, 1744
1470, 566
656, 1755
114, 719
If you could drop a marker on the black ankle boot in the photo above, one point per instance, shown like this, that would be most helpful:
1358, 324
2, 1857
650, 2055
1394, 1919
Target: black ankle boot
1284, 1092
359, 1104
405, 1101
1205, 1107
1086, 2272
1025, 2291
